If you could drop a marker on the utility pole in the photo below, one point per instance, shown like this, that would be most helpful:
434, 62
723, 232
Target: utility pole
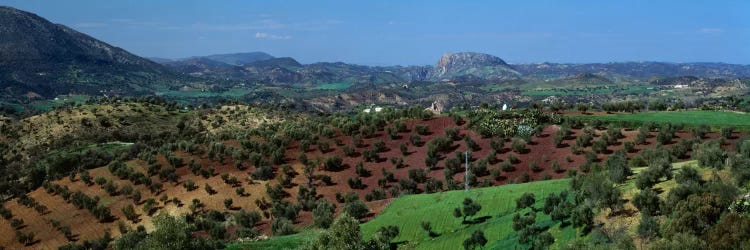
466, 174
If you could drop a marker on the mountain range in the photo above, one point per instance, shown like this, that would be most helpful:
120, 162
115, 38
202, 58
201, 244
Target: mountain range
40, 59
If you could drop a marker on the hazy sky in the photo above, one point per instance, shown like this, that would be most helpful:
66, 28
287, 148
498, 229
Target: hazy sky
416, 32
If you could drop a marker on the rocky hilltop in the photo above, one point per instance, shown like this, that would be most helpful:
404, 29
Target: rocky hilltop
472, 65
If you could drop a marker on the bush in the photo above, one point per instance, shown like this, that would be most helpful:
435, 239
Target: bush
416, 140
129, 212
209, 190
100, 180
507, 167
422, 129
556, 167
355, 183
452, 133
523, 178
86, 177
247, 219
647, 201
471, 144
334, 163
617, 166
518, 145
282, 226
356, 209
323, 214
16, 223
189, 185
726, 132
324, 146
534, 166
263, 173
417, 175
526, 200
513, 159
709, 154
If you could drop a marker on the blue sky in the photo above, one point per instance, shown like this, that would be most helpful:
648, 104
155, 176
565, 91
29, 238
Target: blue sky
416, 32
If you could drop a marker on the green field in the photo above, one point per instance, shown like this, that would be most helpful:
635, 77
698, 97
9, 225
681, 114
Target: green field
498, 204
280, 243
333, 86
692, 117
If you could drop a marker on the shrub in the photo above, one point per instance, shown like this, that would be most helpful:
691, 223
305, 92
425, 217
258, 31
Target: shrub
452, 133
471, 144
416, 140
526, 200
432, 185
534, 166
282, 226
324, 146
247, 219
86, 177
100, 180
16, 223
376, 194
323, 214
518, 145
129, 212
710, 154
726, 132
355, 183
556, 167
506, 166
523, 178
421, 129
513, 159
349, 151
417, 175
404, 149
356, 209
210, 190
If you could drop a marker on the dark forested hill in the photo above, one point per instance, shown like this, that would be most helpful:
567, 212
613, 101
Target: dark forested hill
42, 59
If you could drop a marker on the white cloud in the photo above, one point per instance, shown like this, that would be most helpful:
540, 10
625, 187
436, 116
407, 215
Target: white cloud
711, 30
89, 25
263, 35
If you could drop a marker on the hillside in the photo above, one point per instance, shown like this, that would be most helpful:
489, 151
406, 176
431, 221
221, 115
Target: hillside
39, 59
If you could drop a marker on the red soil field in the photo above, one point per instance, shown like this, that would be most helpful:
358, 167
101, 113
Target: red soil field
541, 150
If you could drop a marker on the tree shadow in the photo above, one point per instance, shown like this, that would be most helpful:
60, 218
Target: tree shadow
477, 220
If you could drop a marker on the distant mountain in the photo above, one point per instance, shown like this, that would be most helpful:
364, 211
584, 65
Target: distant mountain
42, 59
471, 65
282, 62
202, 66
466, 66
240, 58
642, 71
159, 59
581, 79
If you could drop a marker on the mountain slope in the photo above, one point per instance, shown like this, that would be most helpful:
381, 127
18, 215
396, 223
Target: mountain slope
39, 58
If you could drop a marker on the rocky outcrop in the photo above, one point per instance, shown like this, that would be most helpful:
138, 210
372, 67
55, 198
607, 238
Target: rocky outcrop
472, 66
